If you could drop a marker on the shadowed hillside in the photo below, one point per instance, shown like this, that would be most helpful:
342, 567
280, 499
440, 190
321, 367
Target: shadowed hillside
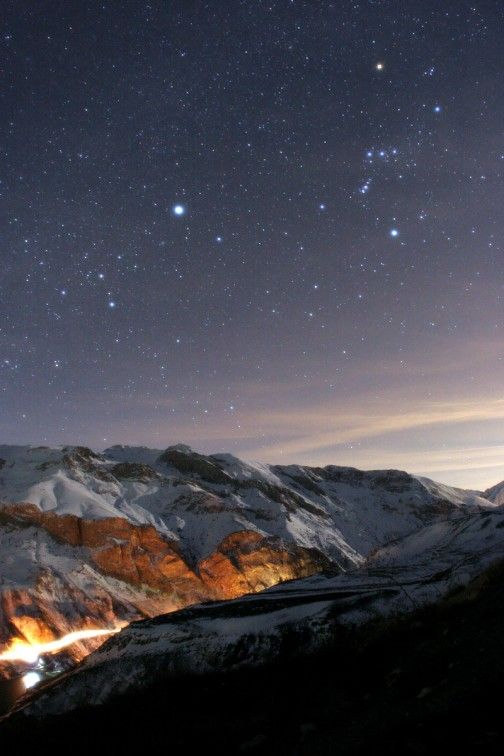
414, 685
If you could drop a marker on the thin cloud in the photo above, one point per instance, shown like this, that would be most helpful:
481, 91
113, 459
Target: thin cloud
331, 428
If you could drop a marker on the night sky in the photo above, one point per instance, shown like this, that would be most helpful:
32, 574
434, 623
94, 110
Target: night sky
270, 228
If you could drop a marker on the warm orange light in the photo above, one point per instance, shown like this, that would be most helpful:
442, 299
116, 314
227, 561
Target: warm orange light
21, 650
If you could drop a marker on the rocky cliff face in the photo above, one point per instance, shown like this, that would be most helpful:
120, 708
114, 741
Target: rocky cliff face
409, 685
92, 541
146, 566
247, 562
295, 619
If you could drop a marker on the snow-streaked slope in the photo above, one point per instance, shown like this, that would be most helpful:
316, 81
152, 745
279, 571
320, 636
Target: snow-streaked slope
395, 541
343, 512
495, 494
49, 589
417, 570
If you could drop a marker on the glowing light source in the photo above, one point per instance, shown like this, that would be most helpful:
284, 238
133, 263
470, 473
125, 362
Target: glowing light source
380, 66
21, 650
179, 210
394, 232
31, 679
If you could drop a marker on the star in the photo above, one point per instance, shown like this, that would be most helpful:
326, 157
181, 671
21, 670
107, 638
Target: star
118, 198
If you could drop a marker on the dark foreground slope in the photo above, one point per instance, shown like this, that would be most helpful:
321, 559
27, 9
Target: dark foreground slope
428, 682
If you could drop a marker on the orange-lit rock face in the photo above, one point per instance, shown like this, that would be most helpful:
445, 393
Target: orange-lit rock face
247, 562
156, 577
137, 554
44, 614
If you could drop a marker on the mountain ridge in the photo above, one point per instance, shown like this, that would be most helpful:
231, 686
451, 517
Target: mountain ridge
93, 539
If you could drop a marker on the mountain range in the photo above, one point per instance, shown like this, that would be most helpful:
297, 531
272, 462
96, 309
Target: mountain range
209, 564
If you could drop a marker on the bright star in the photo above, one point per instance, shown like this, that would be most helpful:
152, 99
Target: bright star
437, 109
179, 210
111, 305
380, 66
394, 232
322, 207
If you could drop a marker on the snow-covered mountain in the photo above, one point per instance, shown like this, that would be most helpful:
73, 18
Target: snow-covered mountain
495, 494
197, 500
301, 614
90, 541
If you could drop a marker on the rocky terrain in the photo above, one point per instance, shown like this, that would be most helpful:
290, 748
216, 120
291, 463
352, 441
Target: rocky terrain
214, 574
302, 615
94, 541
424, 683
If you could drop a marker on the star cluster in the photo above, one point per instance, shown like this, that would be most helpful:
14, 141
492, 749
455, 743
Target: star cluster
254, 226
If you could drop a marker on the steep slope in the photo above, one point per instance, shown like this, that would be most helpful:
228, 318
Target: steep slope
96, 540
429, 682
304, 614
495, 494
